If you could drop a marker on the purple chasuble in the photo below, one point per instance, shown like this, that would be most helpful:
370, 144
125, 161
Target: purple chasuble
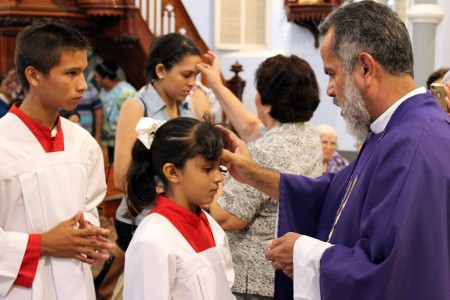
392, 238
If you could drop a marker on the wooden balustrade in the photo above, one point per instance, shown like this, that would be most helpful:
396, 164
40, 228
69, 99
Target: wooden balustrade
110, 8
165, 16
236, 84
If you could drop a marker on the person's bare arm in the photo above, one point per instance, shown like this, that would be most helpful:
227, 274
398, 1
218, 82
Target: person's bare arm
246, 124
244, 169
226, 220
98, 118
199, 102
130, 114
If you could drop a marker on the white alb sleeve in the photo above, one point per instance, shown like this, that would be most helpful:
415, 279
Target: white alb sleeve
307, 255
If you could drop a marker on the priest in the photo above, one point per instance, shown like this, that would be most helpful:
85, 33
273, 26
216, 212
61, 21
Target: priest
380, 228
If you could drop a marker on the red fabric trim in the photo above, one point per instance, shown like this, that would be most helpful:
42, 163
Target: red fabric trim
30, 261
194, 227
42, 133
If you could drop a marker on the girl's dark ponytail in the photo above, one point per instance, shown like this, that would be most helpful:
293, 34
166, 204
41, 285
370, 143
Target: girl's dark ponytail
141, 183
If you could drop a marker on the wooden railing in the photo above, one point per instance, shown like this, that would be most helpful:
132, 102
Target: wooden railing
161, 16
165, 16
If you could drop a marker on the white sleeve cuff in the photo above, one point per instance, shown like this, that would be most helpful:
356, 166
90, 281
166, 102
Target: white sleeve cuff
307, 255
13, 247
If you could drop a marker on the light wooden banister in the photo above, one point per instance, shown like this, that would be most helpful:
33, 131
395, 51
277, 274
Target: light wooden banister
165, 16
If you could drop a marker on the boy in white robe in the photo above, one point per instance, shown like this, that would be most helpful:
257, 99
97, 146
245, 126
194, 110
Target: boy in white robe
51, 175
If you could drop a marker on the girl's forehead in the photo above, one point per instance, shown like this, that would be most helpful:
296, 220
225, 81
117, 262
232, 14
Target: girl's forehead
188, 61
200, 159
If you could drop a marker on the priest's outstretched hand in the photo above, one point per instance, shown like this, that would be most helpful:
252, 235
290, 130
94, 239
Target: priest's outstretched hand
86, 243
244, 169
281, 253
236, 157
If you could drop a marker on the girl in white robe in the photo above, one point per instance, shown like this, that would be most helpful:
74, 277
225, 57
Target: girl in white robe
178, 251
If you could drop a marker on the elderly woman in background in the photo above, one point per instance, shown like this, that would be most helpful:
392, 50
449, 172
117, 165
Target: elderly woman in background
281, 138
333, 162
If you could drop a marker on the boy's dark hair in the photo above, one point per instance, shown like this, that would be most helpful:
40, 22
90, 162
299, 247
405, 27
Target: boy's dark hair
175, 142
41, 45
168, 50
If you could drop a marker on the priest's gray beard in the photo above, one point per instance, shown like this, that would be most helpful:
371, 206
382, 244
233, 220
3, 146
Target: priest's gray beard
354, 111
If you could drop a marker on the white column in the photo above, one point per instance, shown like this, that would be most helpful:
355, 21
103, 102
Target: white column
424, 16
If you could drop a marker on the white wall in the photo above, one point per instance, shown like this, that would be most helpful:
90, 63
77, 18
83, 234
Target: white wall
442, 55
288, 38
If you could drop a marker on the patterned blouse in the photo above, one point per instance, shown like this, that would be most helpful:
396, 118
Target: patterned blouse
112, 102
290, 148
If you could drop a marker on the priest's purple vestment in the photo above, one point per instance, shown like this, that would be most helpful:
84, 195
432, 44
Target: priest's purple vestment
392, 240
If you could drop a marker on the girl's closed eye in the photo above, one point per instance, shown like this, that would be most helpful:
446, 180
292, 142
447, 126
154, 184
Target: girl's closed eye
209, 167
212, 166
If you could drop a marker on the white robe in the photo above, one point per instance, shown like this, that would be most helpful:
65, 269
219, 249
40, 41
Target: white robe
38, 190
160, 264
